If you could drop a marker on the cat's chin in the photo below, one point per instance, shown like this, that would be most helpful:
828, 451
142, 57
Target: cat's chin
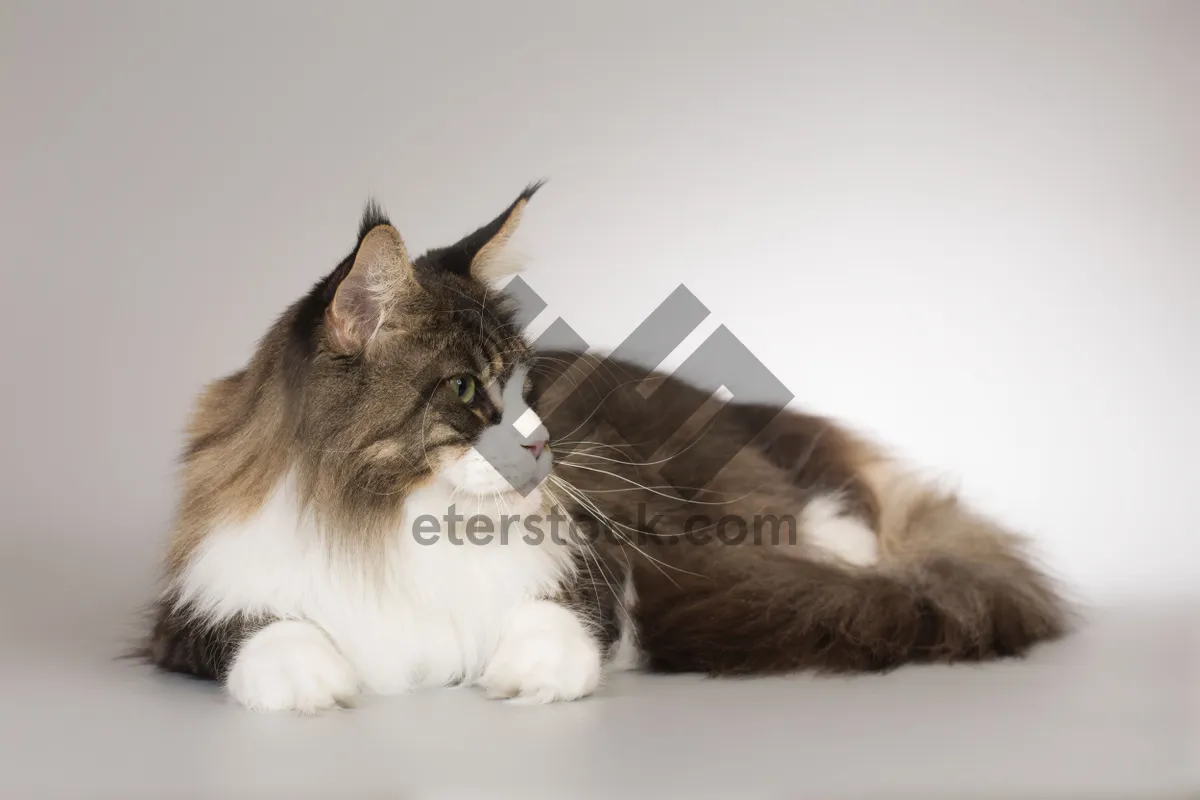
525, 498
476, 476
530, 491
525, 491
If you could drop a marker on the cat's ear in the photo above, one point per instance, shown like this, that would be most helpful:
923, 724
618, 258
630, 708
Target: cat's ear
482, 255
378, 275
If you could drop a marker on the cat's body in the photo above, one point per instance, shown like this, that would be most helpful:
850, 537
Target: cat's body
840, 558
316, 556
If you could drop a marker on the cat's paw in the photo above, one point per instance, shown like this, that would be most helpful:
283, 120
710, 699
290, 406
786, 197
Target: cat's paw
291, 665
546, 655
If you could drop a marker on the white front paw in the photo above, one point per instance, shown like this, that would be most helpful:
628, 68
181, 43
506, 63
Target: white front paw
546, 655
291, 665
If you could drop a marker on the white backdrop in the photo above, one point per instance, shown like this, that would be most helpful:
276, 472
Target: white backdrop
968, 229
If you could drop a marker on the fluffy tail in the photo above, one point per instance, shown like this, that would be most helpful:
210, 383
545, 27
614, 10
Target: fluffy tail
951, 586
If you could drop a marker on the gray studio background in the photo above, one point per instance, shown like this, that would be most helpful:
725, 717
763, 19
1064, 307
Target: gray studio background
967, 228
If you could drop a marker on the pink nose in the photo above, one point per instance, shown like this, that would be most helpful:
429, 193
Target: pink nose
536, 447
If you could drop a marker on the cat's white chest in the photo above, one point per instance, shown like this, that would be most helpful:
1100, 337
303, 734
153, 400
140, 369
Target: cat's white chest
440, 614
429, 611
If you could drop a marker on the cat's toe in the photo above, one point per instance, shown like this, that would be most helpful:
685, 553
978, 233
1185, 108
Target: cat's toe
291, 665
546, 658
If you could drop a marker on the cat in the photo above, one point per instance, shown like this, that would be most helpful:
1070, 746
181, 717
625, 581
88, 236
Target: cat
317, 556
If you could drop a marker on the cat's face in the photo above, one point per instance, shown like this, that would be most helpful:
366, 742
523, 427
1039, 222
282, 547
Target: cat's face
417, 372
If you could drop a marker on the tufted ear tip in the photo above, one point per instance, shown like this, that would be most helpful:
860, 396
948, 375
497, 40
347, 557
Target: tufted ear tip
493, 261
482, 255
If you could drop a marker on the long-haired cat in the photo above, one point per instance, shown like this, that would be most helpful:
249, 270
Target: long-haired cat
337, 491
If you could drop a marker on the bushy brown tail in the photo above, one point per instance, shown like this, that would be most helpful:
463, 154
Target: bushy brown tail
951, 586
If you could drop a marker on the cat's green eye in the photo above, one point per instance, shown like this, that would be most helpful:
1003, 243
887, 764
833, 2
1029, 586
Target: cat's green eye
464, 387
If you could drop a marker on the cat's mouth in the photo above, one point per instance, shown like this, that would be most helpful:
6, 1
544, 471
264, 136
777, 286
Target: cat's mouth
505, 473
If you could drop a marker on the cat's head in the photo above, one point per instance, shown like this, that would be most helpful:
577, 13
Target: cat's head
402, 371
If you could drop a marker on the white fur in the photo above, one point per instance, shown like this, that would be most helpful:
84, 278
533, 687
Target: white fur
545, 655
825, 526
418, 615
428, 615
625, 654
291, 665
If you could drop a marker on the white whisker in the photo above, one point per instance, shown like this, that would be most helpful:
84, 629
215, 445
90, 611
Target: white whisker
575, 493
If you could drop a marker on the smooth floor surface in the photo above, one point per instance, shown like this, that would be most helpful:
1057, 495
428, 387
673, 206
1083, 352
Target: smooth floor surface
1108, 713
